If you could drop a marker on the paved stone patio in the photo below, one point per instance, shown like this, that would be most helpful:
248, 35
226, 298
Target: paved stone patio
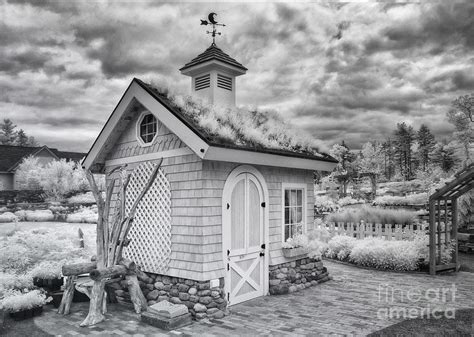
346, 305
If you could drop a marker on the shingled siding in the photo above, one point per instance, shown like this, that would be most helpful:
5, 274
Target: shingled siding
128, 145
213, 178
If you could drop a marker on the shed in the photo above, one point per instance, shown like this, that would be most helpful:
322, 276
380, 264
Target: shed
224, 200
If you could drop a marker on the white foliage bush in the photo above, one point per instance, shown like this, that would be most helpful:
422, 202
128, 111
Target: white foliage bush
47, 270
16, 301
39, 215
57, 178
411, 199
382, 254
83, 198
340, 246
10, 281
84, 215
8, 217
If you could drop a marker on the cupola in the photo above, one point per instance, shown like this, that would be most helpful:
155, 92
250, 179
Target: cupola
213, 76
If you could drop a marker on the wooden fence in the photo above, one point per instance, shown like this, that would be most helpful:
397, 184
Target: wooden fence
364, 230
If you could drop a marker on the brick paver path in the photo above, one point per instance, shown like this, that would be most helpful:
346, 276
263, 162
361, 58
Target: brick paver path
346, 305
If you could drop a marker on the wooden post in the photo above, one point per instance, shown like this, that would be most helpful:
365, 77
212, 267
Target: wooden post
454, 234
136, 295
432, 238
66, 301
439, 231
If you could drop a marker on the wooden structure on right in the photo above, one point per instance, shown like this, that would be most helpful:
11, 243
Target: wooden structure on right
444, 221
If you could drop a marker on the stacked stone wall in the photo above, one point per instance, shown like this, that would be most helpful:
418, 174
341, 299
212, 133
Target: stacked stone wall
201, 300
293, 276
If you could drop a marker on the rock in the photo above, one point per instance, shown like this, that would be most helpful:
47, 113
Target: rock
119, 292
182, 288
218, 314
204, 286
307, 284
167, 287
215, 293
159, 285
192, 291
292, 289
310, 266
199, 308
205, 299
293, 264
303, 280
319, 265
184, 296
166, 280
300, 286
212, 311
279, 289
219, 300
175, 300
174, 280
274, 282
174, 293
314, 282
150, 303
211, 305
204, 293
189, 304
162, 293
194, 298
149, 286
280, 275
200, 315
158, 278
284, 270
189, 282
162, 298
152, 295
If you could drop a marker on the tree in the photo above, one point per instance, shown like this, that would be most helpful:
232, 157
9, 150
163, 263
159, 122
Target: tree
371, 158
22, 138
426, 143
389, 161
404, 137
8, 134
461, 116
444, 156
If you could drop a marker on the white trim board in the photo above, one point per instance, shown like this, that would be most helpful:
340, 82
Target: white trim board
266, 159
150, 156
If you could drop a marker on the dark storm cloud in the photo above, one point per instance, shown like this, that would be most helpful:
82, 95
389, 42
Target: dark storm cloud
340, 71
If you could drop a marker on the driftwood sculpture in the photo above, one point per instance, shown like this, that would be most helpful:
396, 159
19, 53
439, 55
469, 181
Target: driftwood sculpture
108, 263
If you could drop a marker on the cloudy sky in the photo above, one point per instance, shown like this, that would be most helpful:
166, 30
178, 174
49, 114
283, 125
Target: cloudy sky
341, 71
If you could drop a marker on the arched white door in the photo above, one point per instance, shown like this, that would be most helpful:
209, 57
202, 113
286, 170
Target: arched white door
244, 243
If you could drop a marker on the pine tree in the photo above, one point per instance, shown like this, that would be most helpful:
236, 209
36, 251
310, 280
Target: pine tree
426, 143
22, 138
388, 151
8, 134
444, 156
461, 116
404, 137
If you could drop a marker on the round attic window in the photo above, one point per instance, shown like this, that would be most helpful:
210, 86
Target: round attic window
147, 128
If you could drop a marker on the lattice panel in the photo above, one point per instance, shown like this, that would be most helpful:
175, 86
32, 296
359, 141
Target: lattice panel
150, 234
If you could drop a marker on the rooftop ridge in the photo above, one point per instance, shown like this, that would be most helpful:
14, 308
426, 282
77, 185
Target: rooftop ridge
213, 53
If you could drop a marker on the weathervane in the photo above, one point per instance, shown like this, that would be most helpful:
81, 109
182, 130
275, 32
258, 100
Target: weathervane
212, 21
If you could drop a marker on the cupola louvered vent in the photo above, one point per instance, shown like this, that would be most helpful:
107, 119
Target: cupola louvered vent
224, 82
202, 82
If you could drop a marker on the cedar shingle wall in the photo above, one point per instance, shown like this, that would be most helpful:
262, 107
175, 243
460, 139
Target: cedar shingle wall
128, 146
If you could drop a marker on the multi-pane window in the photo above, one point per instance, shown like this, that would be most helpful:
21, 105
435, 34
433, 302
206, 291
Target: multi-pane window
293, 212
148, 127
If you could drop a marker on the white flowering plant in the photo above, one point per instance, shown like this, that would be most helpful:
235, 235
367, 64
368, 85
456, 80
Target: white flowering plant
15, 300
47, 270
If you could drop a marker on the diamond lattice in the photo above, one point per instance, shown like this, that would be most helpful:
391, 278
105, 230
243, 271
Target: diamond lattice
150, 233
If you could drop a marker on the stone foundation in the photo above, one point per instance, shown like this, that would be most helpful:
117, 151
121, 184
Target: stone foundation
201, 300
300, 274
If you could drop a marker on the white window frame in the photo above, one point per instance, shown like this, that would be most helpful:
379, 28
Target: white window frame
294, 186
137, 127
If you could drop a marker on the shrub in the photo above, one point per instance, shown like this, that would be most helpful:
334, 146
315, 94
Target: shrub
15, 281
28, 174
83, 198
373, 215
411, 199
8, 217
340, 246
39, 215
324, 203
47, 270
382, 254
85, 215
349, 201
17, 301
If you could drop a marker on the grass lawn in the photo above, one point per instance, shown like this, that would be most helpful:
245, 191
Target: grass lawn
462, 325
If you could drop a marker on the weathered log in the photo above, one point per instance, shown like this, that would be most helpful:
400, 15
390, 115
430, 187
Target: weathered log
78, 268
96, 306
68, 294
81, 238
100, 274
130, 265
136, 295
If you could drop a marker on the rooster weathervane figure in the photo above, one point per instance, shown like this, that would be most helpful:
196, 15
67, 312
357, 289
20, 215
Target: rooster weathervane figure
212, 21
